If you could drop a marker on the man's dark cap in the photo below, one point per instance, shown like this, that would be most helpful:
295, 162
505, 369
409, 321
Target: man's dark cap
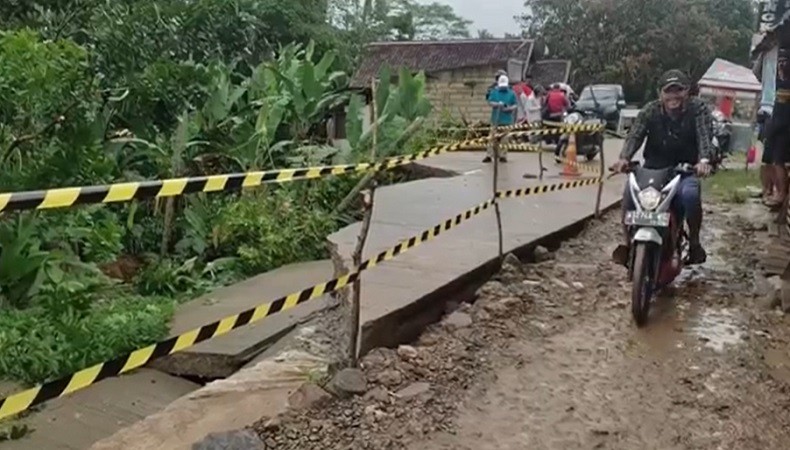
673, 77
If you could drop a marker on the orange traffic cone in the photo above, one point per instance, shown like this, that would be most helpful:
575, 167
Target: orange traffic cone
571, 168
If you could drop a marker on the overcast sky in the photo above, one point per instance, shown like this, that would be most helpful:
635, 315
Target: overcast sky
495, 16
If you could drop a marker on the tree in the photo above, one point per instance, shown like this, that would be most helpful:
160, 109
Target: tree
370, 20
437, 21
606, 44
484, 34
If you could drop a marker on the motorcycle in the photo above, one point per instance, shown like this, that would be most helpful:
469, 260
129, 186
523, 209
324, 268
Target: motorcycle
552, 139
587, 144
658, 237
722, 134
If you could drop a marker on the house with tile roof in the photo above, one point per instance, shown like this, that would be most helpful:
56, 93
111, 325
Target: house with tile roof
459, 72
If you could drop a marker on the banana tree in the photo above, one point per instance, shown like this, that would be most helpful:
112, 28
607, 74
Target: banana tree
311, 89
402, 108
170, 158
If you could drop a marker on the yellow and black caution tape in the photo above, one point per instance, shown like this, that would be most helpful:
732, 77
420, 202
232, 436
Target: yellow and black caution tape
508, 128
125, 192
66, 385
523, 148
547, 188
484, 128
581, 128
425, 236
515, 148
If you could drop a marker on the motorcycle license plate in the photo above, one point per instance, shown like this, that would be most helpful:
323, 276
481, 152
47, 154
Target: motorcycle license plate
647, 219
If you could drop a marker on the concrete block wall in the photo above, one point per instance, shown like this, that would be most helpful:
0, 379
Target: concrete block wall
461, 93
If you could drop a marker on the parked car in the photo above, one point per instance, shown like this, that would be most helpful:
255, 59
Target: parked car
606, 99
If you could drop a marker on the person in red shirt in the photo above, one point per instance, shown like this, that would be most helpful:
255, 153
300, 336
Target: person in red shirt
522, 88
557, 103
523, 92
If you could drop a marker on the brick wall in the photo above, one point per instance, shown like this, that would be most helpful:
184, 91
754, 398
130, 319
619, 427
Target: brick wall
461, 93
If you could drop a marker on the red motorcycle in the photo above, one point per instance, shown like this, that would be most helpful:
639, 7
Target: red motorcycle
658, 237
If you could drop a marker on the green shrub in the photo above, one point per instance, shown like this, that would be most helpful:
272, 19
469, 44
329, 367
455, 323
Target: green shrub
275, 227
36, 344
167, 277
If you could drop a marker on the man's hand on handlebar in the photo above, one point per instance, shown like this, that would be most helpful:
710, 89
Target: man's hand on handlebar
702, 168
620, 166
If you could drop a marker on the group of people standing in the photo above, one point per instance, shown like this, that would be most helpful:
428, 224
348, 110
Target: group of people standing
521, 102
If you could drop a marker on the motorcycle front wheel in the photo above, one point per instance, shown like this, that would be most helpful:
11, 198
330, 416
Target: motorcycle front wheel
642, 283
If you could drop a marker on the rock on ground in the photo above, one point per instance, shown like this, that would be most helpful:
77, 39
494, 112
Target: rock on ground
307, 396
458, 320
231, 440
349, 382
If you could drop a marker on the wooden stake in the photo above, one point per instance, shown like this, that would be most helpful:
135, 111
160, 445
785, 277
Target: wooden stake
600, 186
374, 120
367, 202
494, 141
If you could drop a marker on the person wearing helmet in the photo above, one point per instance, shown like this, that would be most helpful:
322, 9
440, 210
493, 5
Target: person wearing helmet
677, 129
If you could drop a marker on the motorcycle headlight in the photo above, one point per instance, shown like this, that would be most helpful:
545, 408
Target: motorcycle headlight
573, 118
649, 198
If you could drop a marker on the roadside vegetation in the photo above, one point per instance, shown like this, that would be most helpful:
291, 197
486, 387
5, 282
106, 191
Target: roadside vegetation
96, 92
735, 185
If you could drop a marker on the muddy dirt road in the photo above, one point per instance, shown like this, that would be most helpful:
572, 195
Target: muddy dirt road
548, 358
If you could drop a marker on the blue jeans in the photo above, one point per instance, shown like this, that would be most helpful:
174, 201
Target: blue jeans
687, 201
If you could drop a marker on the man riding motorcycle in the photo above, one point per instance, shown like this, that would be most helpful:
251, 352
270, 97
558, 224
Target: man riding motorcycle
678, 130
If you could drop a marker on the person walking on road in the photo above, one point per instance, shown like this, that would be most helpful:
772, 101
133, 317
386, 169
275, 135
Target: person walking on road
503, 103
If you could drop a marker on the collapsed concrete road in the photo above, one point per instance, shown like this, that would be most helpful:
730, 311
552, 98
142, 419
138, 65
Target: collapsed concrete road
399, 298
548, 358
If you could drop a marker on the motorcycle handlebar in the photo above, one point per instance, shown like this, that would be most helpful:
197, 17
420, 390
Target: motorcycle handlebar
684, 168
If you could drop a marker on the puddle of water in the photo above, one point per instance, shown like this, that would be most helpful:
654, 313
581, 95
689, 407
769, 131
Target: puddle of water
718, 328
716, 242
778, 361
673, 325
